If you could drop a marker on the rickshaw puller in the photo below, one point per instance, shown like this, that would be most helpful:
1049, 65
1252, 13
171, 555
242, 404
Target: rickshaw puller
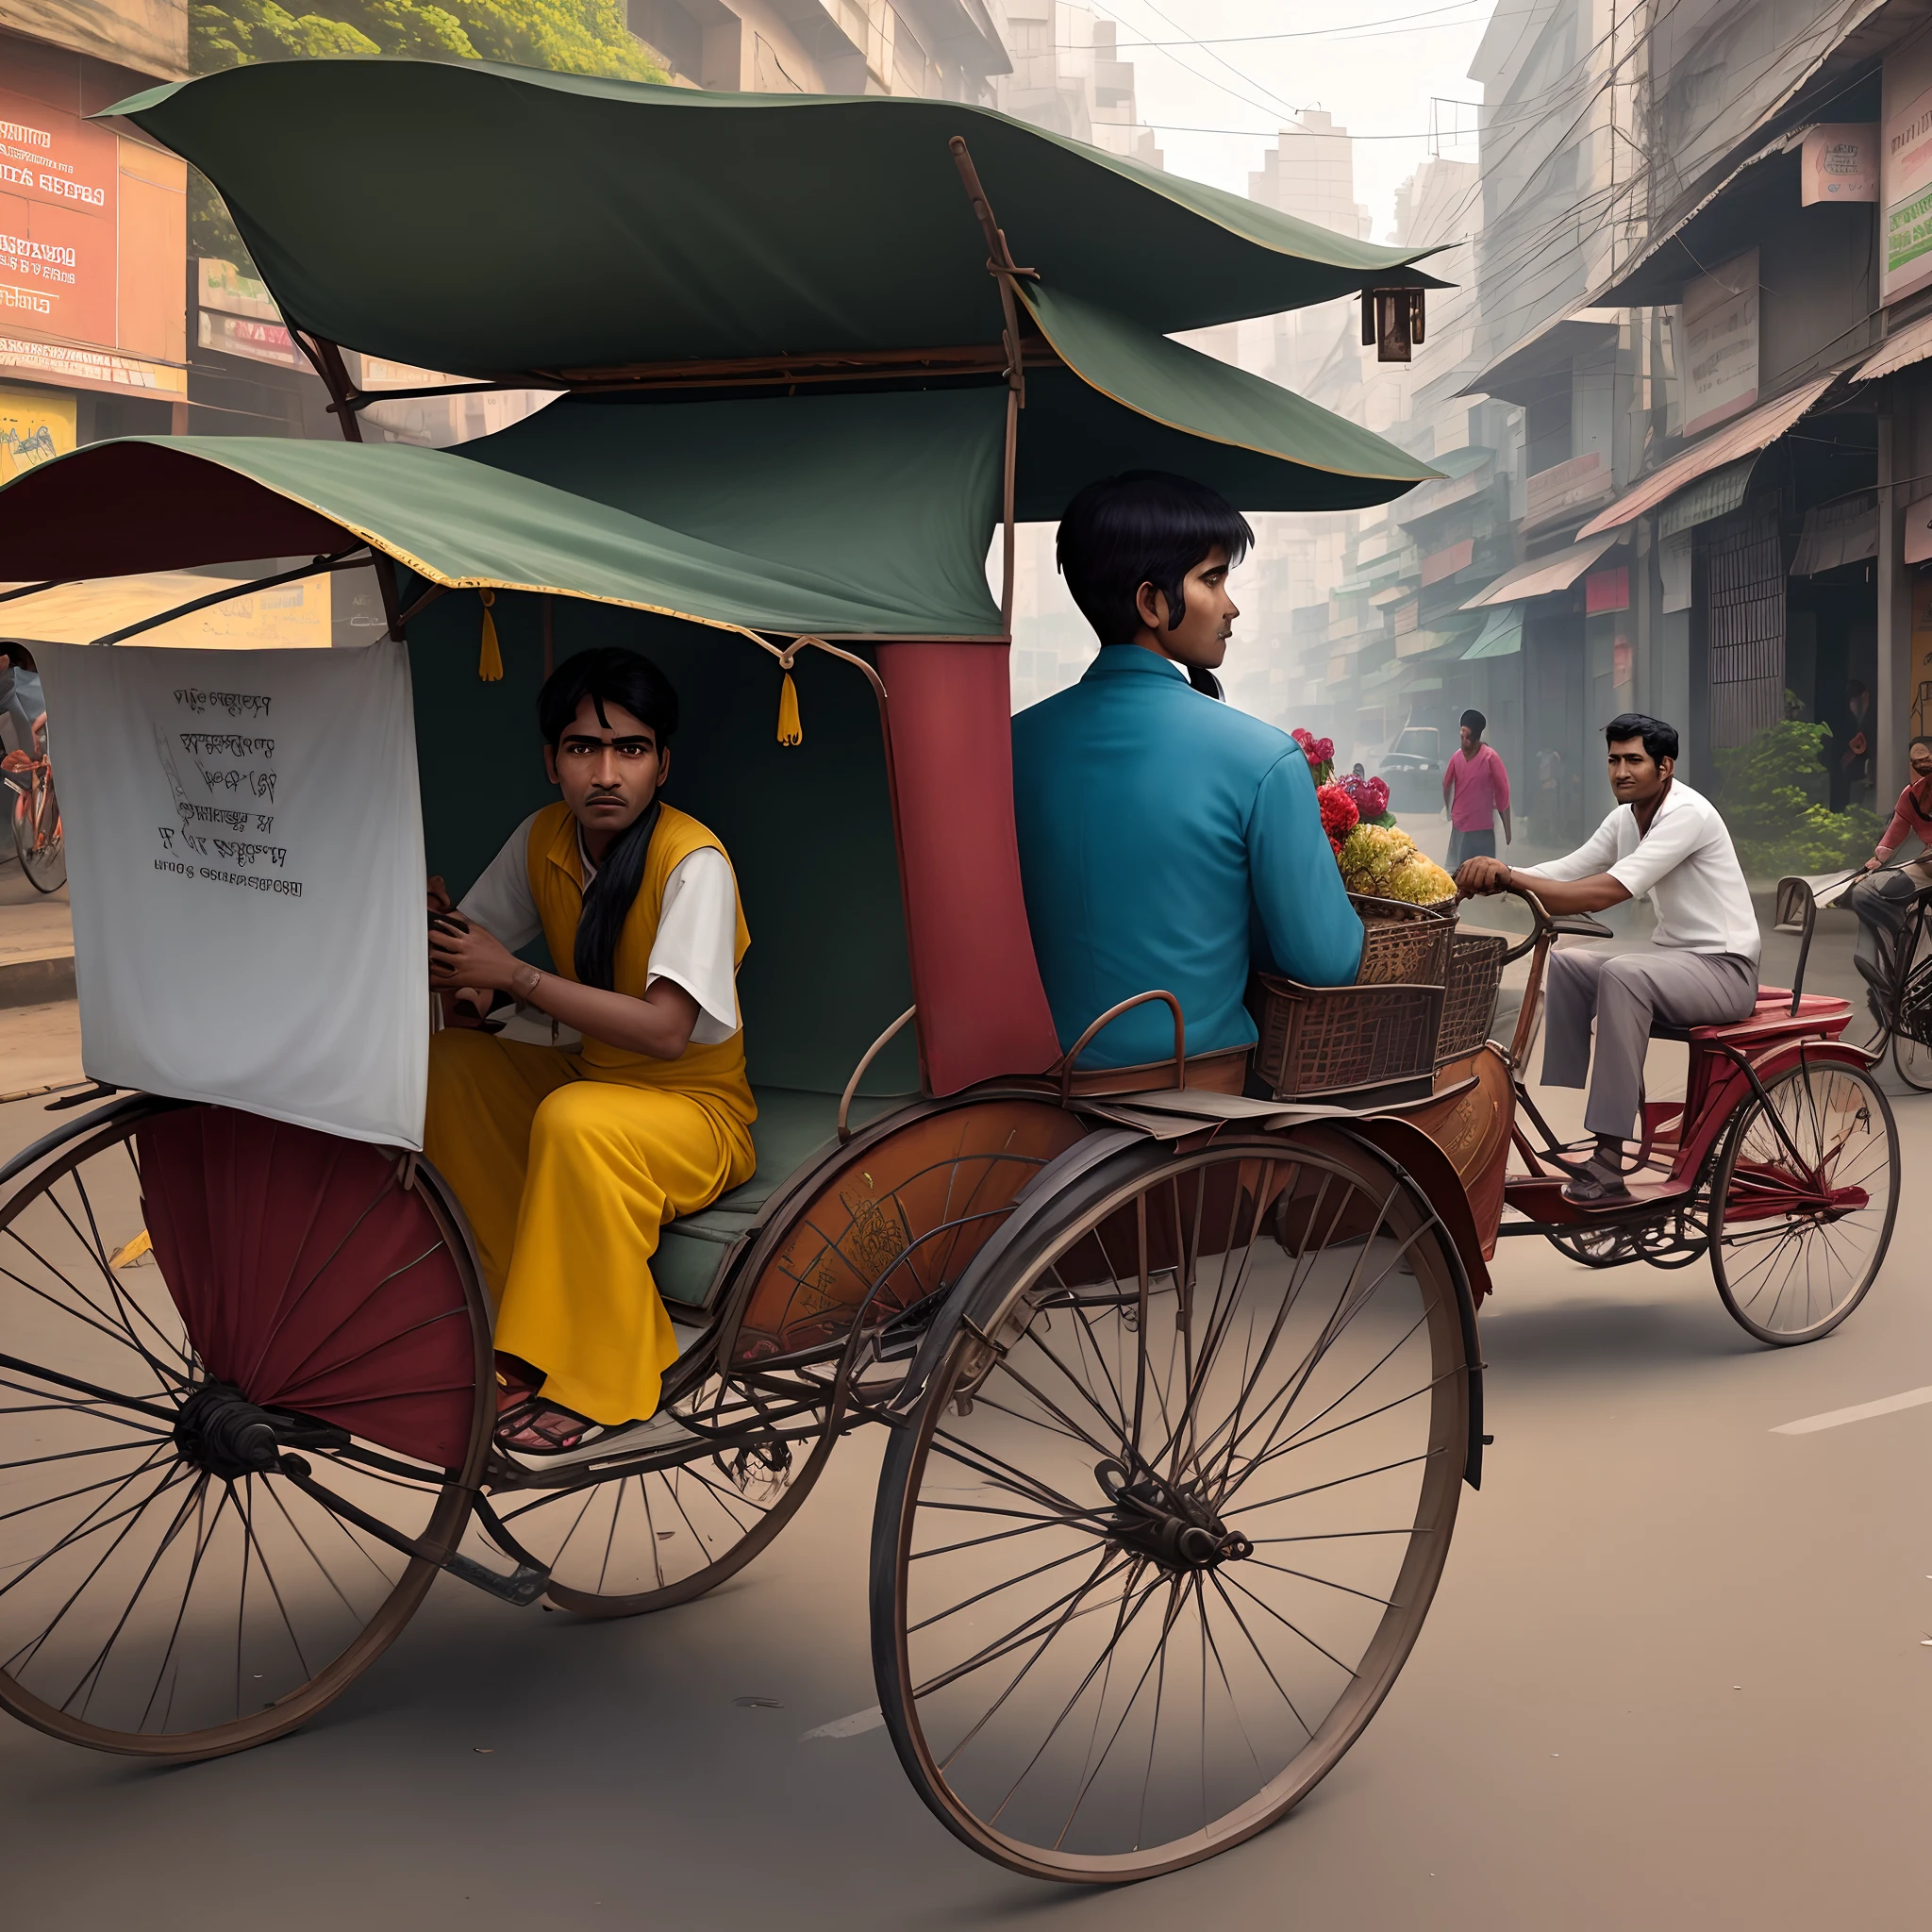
1166, 840
1700, 968
566, 1163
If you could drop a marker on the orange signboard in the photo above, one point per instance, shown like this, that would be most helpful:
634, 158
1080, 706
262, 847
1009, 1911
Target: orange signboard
93, 235
60, 177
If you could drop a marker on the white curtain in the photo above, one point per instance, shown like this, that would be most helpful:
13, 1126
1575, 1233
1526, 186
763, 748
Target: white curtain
245, 850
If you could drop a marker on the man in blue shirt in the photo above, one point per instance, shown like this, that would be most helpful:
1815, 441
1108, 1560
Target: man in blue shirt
1166, 840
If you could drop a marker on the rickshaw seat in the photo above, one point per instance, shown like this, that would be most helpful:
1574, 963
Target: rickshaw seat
791, 1127
1774, 1009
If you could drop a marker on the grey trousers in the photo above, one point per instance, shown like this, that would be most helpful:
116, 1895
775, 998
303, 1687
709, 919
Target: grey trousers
1623, 992
1884, 902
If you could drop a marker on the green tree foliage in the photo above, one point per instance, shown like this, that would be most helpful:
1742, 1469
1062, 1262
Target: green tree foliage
1768, 799
565, 36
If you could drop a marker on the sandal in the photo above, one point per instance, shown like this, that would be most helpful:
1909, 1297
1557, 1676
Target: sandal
531, 1426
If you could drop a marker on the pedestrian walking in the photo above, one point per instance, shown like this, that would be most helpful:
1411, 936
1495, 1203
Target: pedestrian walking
1475, 790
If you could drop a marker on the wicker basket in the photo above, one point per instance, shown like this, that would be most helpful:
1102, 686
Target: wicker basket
1402, 945
1475, 970
1336, 1041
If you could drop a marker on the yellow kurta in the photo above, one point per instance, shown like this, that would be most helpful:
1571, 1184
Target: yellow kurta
569, 1164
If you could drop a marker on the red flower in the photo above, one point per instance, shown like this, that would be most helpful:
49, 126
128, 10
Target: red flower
1371, 795
1338, 814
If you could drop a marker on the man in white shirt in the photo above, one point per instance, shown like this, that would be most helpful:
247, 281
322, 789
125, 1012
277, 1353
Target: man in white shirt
1700, 968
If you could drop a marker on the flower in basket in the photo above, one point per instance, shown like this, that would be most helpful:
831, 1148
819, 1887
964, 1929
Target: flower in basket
1320, 753
1338, 814
1371, 796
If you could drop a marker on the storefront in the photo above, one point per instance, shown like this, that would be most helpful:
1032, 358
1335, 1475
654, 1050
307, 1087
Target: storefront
92, 236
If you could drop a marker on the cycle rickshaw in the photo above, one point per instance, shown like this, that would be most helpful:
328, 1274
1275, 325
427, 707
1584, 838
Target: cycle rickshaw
1180, 1387
1780, 1165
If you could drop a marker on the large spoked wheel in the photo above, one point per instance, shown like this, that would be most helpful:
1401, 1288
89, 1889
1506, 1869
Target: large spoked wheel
862, 1252
201, 1312
1801, 1218
1911, 1038
1170, 1515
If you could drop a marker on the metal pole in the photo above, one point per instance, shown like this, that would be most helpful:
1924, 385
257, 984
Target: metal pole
325, 358
1001, 266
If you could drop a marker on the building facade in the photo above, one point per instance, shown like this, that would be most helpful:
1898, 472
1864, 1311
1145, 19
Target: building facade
93, 230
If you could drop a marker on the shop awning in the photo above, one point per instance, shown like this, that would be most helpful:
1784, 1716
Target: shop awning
491, 220
1750, 433
1542, 576
1910, 345
1835, 534
1715, 496
1502, 637
1465, 473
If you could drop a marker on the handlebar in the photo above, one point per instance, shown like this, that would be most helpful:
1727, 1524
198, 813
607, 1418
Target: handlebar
1545, 924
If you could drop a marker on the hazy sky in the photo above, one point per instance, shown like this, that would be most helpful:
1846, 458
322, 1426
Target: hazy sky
1239, 65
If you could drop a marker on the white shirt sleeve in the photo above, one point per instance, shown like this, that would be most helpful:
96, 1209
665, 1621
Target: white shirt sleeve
1672, 837
501, 901
1598, 854
697, 931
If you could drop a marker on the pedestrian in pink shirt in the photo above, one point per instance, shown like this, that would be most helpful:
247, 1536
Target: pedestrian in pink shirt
1474, 789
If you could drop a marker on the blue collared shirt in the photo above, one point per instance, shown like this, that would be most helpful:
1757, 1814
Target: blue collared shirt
1168, 840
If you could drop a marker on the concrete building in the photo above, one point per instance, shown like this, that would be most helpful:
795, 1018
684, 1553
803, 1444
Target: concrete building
943, 49
1067, 75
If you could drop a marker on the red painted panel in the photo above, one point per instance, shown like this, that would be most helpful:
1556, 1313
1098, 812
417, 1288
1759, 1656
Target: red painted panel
982, 1010
131, 506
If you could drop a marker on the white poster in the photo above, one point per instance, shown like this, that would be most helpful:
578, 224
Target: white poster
1720, 343
244, 849
1673, 567
1840, 163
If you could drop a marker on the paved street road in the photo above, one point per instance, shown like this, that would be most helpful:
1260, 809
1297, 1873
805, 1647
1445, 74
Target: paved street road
1676, 1675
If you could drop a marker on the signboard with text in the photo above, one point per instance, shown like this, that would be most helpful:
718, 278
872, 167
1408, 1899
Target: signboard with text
1718, 318
1840, 163
60, 177
1906, 192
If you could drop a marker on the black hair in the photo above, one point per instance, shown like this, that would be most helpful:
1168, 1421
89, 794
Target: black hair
1474, 720
1145, 526
1922, 738
1659, 739
625, 678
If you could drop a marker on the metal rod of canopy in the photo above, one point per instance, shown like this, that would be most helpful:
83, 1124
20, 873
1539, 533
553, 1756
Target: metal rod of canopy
33, 590
344, 559
325, 358
1005, 272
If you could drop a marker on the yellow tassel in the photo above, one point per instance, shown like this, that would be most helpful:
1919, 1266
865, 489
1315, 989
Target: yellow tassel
790, 730
490, 663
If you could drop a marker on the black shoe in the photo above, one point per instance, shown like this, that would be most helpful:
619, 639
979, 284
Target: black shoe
1594, 1184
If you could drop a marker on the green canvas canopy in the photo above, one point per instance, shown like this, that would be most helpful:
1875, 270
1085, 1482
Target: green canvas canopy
494, 220
161, 502
864, 514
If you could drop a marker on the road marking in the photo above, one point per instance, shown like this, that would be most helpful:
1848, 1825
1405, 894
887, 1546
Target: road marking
868, 1720
1834, 1418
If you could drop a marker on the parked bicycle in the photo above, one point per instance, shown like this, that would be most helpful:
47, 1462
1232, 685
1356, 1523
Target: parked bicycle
35, 817
1900, 983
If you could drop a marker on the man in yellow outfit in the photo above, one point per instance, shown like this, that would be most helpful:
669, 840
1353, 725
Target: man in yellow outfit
568, 1164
